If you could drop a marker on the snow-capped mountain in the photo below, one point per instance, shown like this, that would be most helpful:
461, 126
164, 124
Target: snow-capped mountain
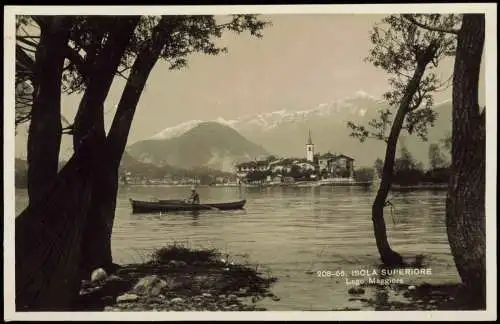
284, 132
208, 144
355, 106
176, 130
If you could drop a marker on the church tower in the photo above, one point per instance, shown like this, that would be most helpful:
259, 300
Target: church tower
310, 149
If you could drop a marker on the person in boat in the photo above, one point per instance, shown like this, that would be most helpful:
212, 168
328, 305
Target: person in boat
194, 198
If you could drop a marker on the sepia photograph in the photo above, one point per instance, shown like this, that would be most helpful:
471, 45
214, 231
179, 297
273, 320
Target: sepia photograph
258, 162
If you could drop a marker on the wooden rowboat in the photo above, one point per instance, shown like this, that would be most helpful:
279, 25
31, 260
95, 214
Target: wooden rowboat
139, 206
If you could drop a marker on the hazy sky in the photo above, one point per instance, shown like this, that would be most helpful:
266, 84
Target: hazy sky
302, 61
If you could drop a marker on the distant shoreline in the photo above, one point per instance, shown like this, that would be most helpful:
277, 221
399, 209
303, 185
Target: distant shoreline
306, 184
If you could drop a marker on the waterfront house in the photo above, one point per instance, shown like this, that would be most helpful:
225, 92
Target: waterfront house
336, 165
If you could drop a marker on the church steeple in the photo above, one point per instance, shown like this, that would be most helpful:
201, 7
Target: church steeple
309, 140
309, 148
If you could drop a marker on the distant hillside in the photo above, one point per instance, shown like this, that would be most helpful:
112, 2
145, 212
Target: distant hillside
209, 144
129, 164
136, 168
150, 171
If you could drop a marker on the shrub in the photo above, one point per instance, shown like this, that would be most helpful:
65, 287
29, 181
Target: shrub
407, 177
179, 252
364, 174
438, 175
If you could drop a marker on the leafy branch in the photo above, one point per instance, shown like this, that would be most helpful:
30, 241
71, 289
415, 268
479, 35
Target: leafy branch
399, 43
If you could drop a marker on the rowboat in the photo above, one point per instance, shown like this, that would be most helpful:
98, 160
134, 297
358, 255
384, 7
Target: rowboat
139, 206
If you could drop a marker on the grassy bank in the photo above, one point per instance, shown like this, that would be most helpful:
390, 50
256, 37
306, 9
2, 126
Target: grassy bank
177, 278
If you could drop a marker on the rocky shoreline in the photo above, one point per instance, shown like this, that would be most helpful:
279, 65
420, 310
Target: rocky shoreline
181, 279
178, 279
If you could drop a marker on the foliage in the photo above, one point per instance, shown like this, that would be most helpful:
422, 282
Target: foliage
446, 142
398, 45
271, 158
439, 175
257, 176
409, 172
406, 170
297, 173
407, 177
364, 174
378, 166
406, 161
179, 252
24, 70
436, 157
88, 35
342, 173
323, 173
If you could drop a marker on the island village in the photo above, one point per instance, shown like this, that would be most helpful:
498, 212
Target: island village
314, 169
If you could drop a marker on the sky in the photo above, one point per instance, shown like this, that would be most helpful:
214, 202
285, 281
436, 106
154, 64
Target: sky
301, 61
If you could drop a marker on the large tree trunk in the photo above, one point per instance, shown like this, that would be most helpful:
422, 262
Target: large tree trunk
465, 204
45, 129
48, 234
387, 255
90, 134
104, 202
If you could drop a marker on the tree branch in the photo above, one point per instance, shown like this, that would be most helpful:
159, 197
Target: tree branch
25, 40
120, 73
430, 28
27, 37
77, 60
420, 98
27, 49
403, 74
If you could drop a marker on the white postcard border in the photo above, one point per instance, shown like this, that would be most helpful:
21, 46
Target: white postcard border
490, 57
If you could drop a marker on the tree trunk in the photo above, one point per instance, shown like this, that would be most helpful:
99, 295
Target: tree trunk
387, 255
465, 204
45, 129
48, 235
97, 244
89, 120
90, 137
104, 203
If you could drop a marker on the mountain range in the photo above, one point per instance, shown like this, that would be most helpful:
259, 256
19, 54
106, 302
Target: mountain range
285, 132
220, 143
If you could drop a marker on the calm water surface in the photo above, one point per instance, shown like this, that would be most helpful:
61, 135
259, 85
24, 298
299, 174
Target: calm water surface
293, 233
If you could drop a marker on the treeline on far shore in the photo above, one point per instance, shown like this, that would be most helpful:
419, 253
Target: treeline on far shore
408, 177
132, 172
409, 172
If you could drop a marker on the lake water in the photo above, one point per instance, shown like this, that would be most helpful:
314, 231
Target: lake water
292, 232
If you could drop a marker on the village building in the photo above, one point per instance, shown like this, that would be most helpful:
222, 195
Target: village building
341, 166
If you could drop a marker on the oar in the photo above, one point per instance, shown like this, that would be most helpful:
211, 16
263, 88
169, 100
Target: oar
208, 206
